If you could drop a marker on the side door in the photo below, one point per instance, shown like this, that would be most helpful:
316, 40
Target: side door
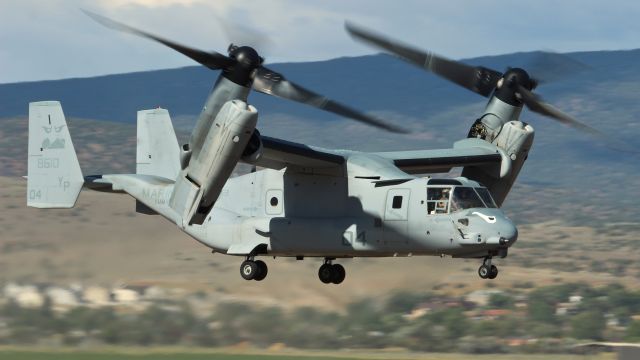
396, 215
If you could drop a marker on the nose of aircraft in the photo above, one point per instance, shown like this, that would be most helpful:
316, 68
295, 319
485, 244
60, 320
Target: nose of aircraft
494, 226
507, 231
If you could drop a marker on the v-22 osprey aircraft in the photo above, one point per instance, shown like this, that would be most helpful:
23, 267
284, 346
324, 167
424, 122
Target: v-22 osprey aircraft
308, 201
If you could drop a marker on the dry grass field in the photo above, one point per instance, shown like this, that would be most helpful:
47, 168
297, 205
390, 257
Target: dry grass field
119, 353
103, 241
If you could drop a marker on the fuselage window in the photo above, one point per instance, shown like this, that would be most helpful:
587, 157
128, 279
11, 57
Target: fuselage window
397, 202
438, 200
274, 201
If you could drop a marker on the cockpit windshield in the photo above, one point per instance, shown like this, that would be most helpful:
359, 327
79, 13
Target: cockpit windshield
465, 198
445, 199
486, 197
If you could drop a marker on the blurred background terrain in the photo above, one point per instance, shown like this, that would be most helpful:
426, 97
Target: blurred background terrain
101, 274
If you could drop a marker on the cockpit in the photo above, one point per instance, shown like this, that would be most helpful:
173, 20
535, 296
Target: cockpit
446, 196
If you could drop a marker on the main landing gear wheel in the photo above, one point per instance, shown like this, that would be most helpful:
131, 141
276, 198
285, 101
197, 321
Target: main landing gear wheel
338, 273
331, 273
325, 274
253, 270
248, 269
262, 271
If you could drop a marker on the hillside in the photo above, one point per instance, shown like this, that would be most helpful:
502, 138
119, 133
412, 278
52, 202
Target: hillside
569, 176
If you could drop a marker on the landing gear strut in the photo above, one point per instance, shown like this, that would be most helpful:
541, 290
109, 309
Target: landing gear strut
331, 273
488, 270
251, 269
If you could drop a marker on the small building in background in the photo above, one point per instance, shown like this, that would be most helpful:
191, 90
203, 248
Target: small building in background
96, 296
481, 297
26, 296
61, 299
125, 296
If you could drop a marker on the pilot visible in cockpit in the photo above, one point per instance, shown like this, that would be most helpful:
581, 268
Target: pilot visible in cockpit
462, 198
441, 204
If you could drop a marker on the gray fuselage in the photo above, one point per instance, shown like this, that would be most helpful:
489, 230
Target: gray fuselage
292, 214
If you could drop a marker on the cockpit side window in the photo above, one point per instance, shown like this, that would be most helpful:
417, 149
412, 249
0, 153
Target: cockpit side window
438, 200
486, 197
465, 198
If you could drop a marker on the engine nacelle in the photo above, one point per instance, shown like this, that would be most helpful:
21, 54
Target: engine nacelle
512, 138
253, 151
201, 181
513, 141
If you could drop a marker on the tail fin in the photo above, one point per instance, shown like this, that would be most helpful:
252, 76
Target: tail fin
158, 152
54, 176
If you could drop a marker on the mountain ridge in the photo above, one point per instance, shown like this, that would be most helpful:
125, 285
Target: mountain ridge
594, 180
348, 79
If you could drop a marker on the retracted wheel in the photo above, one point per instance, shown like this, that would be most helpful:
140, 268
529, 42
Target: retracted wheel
338, 273
262, 270
493, 272
249, 269
326, 273
484, 271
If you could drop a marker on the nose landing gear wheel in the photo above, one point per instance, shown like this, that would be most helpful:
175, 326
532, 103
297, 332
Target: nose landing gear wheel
484, 271
488, 270
493, 272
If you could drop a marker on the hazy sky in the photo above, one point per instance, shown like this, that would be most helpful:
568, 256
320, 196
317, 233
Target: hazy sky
52, 39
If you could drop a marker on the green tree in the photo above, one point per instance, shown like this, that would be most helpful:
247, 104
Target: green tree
453, 321
588, 325
500, 301
543, 330
268, 326
542, 301
541, 310
361, 321
633, 331
403, 302
309, 328
502, 328
234, 322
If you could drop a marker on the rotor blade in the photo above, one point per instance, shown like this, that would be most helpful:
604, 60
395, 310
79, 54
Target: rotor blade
272, 83
536, 104
212, 60
478, 79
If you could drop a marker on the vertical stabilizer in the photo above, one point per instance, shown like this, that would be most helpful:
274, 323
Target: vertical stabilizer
54, 177
158, 152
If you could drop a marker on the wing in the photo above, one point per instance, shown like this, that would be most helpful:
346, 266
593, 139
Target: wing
468, 152
278, 154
